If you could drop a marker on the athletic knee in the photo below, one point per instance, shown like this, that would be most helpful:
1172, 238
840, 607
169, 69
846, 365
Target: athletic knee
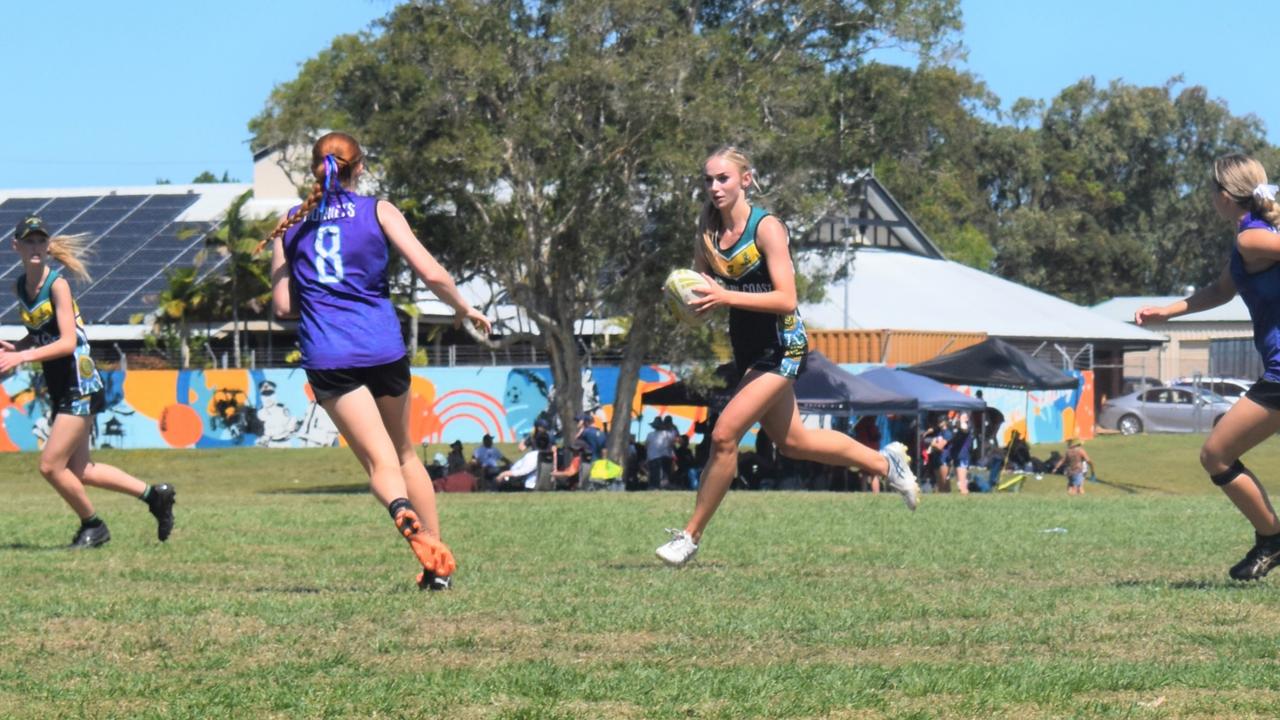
50, 468
1214, 461
723, 443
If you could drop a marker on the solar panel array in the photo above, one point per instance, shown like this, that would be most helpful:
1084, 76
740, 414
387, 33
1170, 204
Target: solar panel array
134, 240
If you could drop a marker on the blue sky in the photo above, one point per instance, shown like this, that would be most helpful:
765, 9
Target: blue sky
124, 93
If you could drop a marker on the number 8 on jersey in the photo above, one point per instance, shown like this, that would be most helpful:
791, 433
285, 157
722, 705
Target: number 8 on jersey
329, 253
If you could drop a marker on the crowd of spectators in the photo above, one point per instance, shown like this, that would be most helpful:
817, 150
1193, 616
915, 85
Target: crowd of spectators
957, 452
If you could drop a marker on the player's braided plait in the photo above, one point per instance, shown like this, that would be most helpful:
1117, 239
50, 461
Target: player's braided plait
1243, 178
334, 158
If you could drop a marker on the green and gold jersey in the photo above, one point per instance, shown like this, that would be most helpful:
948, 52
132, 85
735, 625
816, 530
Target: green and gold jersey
72, 376
777, 343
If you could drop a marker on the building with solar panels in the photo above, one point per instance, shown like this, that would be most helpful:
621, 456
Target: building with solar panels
136, 236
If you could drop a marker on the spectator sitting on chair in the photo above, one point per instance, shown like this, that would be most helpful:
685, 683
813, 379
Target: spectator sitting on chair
522, 475
456, 462
485, 461
540, 440
569, 478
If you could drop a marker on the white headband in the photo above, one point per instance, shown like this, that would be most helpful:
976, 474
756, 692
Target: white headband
1266, 192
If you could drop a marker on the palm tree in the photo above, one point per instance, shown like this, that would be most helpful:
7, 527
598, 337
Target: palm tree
185, 298
248, 266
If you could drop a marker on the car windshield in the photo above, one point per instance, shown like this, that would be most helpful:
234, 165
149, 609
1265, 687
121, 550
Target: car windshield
1206, 394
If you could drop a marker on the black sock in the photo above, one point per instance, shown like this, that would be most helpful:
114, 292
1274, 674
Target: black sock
146, 495
92, 521
395, 506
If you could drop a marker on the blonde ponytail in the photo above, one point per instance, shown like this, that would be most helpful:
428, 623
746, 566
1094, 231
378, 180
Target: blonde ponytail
1240, 176
71, 250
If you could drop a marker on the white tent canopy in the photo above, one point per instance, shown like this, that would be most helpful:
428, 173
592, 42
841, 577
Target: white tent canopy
889, 289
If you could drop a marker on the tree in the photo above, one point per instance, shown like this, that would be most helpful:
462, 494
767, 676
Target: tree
1109, 195
555, 146
208, 177
244, 283
186, 297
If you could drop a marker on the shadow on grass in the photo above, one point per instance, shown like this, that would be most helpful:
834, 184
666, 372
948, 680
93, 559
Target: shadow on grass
295, 590
32, 548
1134, 488
352, 489
1224, 584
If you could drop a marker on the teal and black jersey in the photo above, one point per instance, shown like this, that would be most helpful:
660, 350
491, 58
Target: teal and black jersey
69, 377
763, 341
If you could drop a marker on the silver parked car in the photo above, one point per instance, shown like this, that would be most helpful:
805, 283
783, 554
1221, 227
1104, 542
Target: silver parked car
1230, 388
1164, 409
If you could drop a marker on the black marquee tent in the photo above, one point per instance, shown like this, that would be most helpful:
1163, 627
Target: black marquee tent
997, 364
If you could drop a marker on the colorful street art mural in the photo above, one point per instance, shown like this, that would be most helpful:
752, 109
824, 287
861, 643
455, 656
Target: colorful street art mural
1047, 416
275, 408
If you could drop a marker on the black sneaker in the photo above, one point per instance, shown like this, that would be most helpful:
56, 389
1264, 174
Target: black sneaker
428, 580
161, 506
1264, 555
89, 537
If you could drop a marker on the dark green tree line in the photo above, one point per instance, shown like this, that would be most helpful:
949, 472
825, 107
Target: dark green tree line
556, 147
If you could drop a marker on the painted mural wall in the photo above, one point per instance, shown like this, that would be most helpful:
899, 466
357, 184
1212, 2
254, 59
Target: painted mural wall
1047, 416
275, 408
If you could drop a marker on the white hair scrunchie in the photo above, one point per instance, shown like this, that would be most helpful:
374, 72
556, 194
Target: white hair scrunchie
1266, 192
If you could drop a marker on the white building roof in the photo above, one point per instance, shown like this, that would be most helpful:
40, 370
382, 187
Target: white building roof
1124, 308
897, 290
508, 319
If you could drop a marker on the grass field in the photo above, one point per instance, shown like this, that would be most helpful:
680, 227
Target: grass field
285, 593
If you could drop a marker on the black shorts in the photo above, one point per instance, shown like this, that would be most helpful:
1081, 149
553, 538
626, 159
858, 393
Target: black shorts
83, 405
1266, 393
389, 380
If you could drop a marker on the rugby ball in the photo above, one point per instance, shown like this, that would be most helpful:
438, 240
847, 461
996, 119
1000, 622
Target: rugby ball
680, 285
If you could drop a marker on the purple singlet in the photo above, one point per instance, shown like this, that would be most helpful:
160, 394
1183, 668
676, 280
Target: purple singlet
339, 268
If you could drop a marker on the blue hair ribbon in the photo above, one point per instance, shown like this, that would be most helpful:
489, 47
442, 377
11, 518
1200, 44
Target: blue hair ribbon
330, 178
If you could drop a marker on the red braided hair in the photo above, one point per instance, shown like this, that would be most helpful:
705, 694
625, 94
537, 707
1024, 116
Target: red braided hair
346, 153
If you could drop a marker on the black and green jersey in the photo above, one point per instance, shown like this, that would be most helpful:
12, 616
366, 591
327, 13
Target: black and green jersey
74, 375
764, 341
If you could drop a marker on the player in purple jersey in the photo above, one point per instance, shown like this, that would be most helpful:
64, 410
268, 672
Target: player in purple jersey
748, 249
56, 339
329, 267
1242, 196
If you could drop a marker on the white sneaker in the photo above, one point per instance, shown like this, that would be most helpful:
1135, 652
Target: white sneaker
900, 477
679, 550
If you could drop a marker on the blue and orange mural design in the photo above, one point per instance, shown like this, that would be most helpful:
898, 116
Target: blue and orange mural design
276, 408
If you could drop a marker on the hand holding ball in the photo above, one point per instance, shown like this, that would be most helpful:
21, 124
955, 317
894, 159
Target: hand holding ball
680, 286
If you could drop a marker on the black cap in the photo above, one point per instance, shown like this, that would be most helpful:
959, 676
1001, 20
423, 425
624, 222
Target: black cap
30, 225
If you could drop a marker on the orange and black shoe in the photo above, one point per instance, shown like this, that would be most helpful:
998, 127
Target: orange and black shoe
433, 554
428, 580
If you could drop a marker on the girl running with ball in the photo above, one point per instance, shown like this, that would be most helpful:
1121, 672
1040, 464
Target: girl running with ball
56, 339
329, 266
747, 248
